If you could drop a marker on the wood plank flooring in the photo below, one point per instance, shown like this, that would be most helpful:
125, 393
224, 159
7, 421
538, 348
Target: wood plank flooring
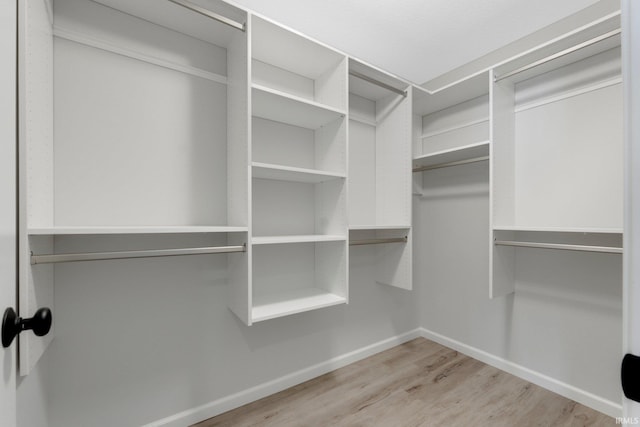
419, 383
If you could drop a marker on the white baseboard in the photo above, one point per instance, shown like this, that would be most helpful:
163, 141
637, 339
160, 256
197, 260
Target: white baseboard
208, 410
613, 409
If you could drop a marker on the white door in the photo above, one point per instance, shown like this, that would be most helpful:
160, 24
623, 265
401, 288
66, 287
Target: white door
631, 290
8, 202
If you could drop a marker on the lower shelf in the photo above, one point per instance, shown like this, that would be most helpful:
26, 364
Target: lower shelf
293, 301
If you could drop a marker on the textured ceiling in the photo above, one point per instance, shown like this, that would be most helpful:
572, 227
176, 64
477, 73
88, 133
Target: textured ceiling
416, 39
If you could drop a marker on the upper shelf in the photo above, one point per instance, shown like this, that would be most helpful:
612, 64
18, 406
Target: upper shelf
89, 230
425, 102
372, 83
573, 47
281, 107
294, 52
178, 18
585, 230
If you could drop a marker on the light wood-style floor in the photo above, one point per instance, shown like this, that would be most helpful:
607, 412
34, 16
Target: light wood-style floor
419, 383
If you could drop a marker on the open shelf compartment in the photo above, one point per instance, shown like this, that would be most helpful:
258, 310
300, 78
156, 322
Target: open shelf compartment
451, 119
297, 277
299, 67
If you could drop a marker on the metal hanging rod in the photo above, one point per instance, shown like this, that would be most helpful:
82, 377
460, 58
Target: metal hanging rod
560, 246
449, 164
95, 256
378, 241
378, 83
209, 14
559, 54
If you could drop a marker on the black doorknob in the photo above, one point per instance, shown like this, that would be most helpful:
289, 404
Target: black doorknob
12, 325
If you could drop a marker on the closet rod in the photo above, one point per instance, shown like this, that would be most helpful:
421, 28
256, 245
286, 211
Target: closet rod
378, 83
209, 14
378, 241
559, 54
449, 164
95, 256
560, 246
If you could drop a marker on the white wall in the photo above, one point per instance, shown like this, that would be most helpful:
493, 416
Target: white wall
564, 319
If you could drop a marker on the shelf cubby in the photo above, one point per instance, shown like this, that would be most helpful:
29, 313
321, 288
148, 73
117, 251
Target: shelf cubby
451, 123
299, 208
295, 277
299, 68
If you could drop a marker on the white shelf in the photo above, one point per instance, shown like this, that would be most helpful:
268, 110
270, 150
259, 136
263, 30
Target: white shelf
282, 107
291, 302
426, 102
378, 227
71, 230
465, 152
600, 230
289, 173
311, 238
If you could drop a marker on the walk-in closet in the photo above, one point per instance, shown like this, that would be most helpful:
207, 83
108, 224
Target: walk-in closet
234, 213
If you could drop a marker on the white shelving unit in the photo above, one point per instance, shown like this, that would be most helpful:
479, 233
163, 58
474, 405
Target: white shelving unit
379, 170
298, 150
149, 135
451, 124
556, 176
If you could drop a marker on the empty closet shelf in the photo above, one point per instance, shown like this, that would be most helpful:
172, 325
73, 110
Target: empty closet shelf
560, 246
292, 174
310, 238
293, 301
451, 157
450, 164
378, 241
282, 107
151, 253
